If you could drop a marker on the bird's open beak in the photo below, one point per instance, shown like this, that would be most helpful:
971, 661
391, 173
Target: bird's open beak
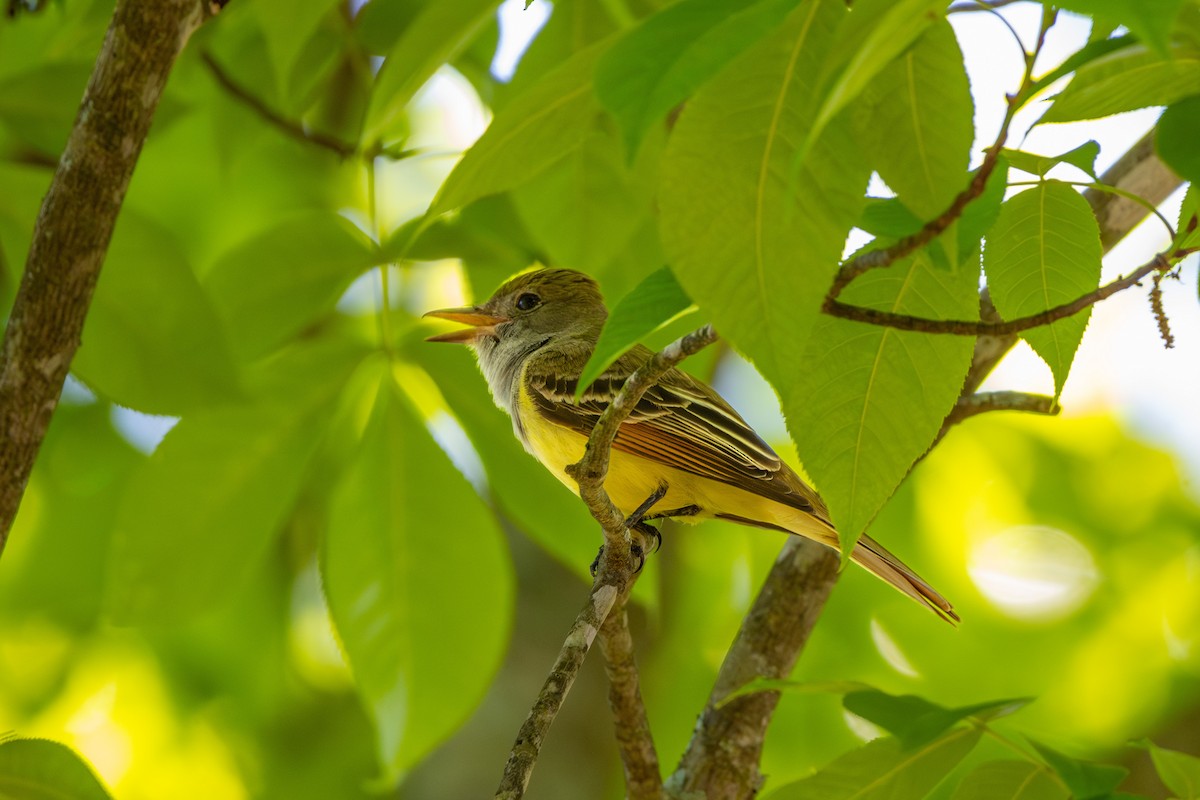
483, 324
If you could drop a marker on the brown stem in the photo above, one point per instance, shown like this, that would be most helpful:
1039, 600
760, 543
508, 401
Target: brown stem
961, 327
76, 223
643, 778
579, 640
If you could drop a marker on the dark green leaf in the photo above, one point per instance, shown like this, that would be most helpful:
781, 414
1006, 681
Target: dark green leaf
418, 580
39, 105
749, 244
794, 687
979, 217
153, 340
883, 769
439, 32
287, 25
220, 484
1082, 157
586, 208
1044, 251
656, 301
1011, 780
914, 720
1086, 779
1179, 772
1188, 228
659, 64
1127, 79
532, 132
39, 769
1175, 138
281, 279
916, 121
878, 396
888, 218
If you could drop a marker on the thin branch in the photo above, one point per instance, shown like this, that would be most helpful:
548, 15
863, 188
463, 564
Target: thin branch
643, 777
960, 327
554, 691
615, 575
979, 5
76, 222
288, 126
982, 402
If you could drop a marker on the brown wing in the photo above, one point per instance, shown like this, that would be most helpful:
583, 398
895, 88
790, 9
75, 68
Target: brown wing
682, 423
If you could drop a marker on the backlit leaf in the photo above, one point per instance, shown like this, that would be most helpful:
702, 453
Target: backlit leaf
437, 34
419, 583
1082, 157
1011, 780
916, 121
1044, 251
659, 64
752, 246
1086, 779
1127, 79
153, 340
1179, 772
281, 279
884, 769
870, 400
39, 769
914, 720
200, 513
653, 303
535, 130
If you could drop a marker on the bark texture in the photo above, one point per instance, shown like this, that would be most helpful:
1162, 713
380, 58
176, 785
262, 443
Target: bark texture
75, 225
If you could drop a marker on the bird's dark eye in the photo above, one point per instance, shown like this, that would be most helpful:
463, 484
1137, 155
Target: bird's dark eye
528, 302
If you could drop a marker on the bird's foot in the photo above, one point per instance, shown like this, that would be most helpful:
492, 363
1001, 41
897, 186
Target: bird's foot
639, 513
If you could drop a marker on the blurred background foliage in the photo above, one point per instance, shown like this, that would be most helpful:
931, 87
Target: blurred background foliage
165, 604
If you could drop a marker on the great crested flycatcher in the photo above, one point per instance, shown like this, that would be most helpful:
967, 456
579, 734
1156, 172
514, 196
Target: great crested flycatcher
532, 339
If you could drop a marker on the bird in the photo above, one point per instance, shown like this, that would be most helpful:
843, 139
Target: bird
532, 339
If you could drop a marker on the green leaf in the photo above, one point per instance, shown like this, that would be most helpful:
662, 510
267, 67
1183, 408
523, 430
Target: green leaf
1179, 772
1125, 80
39, 105
870, 400
532, 132
1082, 157
793, 687
152, 340
914, 720
1044, 251
1011, 780
545, 510
287, 25
659, 64
419, 583
1188, 229
39, 769
65, 529
916, 120
1094, 50
884, 769
1148, 20
1175, 138
1085, 779
220, 483
439, 33
586, 208
655, 301
979, 217
279, 281
874, 34
752, 246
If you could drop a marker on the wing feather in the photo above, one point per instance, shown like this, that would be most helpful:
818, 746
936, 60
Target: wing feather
681, 423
